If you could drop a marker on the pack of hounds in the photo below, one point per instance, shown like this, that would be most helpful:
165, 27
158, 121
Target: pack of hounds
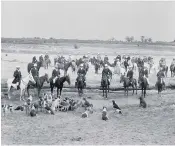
50, 104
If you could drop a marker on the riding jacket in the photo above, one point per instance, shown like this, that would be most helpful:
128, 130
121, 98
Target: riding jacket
46, 57
146, 73
160, 74
34, 60
81, 71
106, 72
55, 73
41, 59
34, 72
17, 75
130, 74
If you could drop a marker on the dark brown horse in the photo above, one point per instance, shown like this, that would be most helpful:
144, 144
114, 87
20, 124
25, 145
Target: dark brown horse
39, 83
160, 85
80, 85
127, 83
59, 84
105, 86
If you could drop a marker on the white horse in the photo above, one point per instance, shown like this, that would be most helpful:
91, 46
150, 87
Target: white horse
23, 85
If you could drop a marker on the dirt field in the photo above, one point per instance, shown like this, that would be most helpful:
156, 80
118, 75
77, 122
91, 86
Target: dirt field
154, 125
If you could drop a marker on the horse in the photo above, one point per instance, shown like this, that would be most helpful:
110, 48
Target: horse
127, 83
97, 67
31, 65
165, 70
23, 85
66, 66
159, 85
80, 85
46, 63
79, 61
59, 84
105, 85
172, 70
143, 84
86, 66
39, 83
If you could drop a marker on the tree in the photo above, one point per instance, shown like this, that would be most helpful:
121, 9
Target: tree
127, 39
150, 40
131, 39
142, 38
146, 40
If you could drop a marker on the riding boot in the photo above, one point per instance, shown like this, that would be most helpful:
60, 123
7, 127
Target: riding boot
84, 83
18, 87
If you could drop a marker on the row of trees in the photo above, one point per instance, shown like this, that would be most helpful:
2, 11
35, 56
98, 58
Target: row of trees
142, 38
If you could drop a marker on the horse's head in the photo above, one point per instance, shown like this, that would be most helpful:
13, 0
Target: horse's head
31, 78
46, 77
68, 79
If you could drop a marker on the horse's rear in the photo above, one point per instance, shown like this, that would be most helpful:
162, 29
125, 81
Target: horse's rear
80, 85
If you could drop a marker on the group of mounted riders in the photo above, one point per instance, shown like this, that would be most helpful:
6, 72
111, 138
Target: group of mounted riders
128, 64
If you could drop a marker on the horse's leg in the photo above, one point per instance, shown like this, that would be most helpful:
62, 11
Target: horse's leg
136, 87
144, 92
103, 90
133, 89
127, 91
57, 91
21, 94
39, 90
106, 91
8, 92
60, 91
28, 90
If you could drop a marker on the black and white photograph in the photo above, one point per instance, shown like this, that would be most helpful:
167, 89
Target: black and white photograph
87, 72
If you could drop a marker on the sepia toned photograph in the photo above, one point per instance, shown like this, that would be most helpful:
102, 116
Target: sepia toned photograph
87, 73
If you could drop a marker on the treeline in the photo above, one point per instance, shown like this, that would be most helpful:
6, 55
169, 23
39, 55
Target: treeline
38, 40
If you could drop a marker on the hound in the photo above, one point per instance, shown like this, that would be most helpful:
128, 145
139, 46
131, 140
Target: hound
142, 102
6, 108
115, 106
104, 114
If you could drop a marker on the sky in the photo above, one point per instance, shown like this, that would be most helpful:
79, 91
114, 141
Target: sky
88, 20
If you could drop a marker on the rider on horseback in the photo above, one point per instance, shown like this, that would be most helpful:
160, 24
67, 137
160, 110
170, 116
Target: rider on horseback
41, 59
106, 59
69, 59
173, 62
17, 77
98, 57
81, 71
35, 73
55, 74
161, 75
106, 73
46, 56
146, 74
34, 60
130, 74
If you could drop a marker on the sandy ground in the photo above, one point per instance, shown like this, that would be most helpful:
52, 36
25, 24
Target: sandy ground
154, 125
